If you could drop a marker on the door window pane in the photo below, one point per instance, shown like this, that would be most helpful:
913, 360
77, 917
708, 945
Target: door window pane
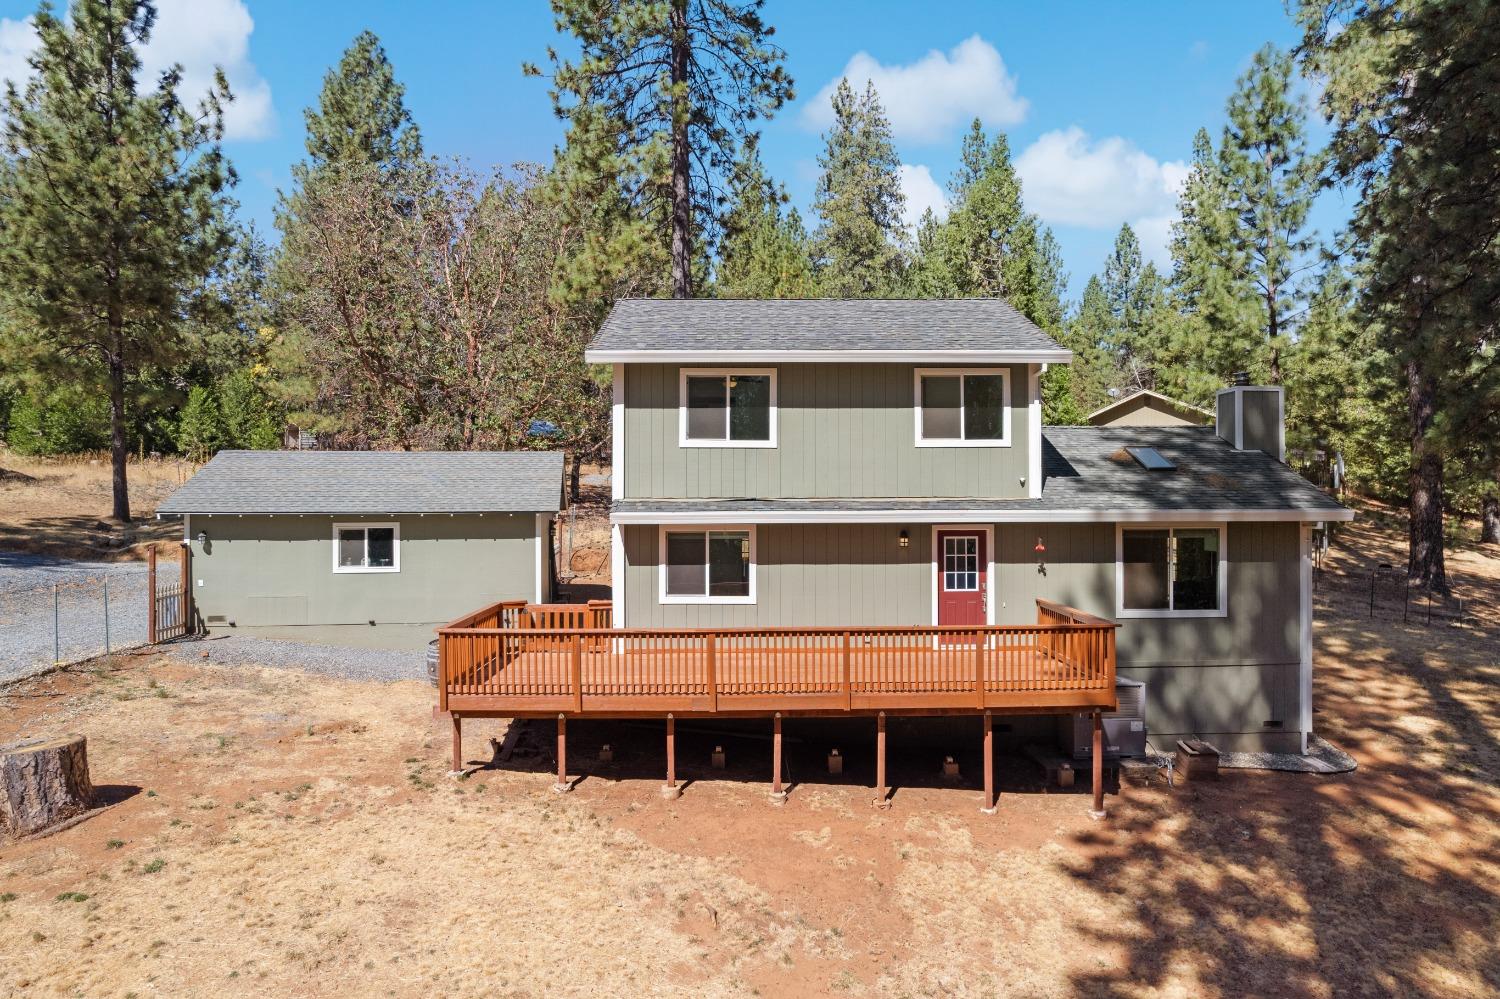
380, 548
685, 564
729, 564
1195, 579
706, 406
984, 407
750, 408
961, 563
1144, 555
941, 407
351, 548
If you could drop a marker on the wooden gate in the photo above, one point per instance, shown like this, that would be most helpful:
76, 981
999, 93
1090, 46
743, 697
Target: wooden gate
171, 613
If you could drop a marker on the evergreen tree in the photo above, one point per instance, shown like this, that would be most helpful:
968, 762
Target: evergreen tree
1410, 91
361, 115
1270, 183
200, 428
682, 83
859, 201
360, 136
764, 252
1210, 286
1131, 290
112, 206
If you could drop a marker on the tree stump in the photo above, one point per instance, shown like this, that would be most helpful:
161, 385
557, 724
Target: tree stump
43, 782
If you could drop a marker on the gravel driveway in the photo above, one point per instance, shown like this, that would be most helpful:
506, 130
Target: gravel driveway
26, 609
381, 665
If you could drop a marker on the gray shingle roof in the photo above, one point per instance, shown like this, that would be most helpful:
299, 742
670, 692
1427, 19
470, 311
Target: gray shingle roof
1085, 471
719, 326
365, 482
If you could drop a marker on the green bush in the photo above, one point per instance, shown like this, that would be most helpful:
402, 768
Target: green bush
63, 421
233, 414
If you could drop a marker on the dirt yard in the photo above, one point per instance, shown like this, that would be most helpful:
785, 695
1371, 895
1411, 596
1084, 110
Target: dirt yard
272, 833
59, 506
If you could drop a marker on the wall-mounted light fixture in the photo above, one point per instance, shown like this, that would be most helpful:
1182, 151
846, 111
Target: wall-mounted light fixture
202, 537
904, 539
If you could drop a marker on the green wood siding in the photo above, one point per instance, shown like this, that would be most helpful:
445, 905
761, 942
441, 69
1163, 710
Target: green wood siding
1217, 677
844, 430
274, 575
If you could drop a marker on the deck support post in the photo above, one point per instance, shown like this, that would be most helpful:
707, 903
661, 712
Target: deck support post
1097, 812
987, 807
562, 784
882, 793
778, 793
458, 744
670, 789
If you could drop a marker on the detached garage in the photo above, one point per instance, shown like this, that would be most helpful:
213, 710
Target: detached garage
366, 548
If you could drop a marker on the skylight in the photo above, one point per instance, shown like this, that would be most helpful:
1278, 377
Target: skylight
1150, 459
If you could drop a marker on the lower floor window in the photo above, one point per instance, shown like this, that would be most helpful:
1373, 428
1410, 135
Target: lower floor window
365, 548
1171, 569
710, 565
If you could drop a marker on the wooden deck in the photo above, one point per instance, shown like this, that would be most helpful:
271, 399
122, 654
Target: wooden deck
518, 660
562, 661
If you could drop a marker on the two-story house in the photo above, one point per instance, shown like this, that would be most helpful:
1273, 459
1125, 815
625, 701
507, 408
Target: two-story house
853, 507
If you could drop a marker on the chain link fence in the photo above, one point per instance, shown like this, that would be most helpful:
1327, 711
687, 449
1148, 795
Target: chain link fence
54, 613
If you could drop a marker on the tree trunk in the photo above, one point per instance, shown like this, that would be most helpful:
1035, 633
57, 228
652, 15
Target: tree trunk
43, 782
573, 478
1425, 562
682, 186
1489, 520
119, 450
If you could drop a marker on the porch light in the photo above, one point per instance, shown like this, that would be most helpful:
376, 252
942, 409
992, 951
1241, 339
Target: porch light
904, 539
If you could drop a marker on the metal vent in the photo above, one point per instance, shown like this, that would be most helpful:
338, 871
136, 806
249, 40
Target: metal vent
1132, 700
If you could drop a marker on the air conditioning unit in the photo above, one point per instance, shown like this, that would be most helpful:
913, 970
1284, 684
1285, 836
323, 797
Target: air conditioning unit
1124, 729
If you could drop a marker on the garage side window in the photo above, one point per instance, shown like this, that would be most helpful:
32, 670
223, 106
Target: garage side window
366, 547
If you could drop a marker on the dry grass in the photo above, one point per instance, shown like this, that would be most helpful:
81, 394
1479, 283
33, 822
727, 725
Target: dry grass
285, 834
60, 506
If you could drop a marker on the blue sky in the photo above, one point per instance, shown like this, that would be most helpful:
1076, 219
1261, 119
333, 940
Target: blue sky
1100, 100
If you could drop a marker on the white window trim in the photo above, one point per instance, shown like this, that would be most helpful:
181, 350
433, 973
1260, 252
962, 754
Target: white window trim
361, 526
661, 564
989, 554
919, 373
1223, 608
682, 406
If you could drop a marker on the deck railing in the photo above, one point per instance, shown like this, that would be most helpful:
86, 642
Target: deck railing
522, 658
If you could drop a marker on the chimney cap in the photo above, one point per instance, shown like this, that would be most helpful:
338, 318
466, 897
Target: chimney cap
1240, 378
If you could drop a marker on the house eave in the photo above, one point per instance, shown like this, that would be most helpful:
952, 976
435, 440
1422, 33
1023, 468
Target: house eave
973, 516
616, 356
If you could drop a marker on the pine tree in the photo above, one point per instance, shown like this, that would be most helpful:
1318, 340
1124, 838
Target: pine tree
361, 115
112, 206
1210, 286
682, 82
1416, 113
764, 252
1270, 183
858, 201
1131, 291
360, 136
200, 429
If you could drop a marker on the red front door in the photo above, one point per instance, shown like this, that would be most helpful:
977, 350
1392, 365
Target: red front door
962, 568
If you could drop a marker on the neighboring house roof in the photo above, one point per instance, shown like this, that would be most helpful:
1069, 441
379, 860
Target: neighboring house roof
983, 330
1121, 410
373, 482
1087, 476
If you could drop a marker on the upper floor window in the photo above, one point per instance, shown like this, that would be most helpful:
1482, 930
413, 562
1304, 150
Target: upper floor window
366, 547
963, 407
727, 408
1171, 571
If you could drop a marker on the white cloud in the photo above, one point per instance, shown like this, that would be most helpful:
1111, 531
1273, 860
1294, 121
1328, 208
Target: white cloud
17, 39
925, 100
922, 193
202, 34
198, 34
1070, 179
